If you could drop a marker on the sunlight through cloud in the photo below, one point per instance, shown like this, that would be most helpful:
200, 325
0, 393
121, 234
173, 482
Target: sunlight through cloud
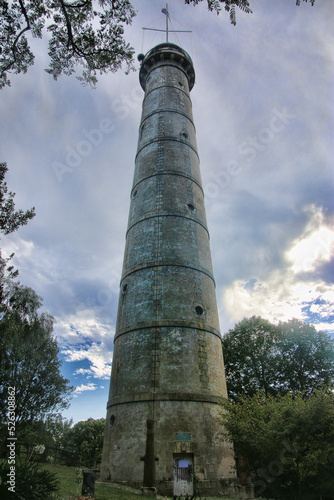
287, 293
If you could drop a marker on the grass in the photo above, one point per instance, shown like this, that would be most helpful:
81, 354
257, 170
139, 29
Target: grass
69, 486
67, 479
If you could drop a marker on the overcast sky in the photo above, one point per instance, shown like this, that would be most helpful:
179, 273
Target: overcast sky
263, 109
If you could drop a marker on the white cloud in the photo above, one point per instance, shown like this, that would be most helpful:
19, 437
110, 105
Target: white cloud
96, 354
315, 246
82, 336
281, 297
83, 323
23, 248
83, 371
286, 293
81, 388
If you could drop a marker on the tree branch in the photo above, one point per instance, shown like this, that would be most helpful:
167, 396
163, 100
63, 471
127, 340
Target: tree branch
14, 48
71, 42
68, 24
77, 5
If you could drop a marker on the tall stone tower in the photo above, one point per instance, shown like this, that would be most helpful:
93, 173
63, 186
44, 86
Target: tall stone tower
168, 361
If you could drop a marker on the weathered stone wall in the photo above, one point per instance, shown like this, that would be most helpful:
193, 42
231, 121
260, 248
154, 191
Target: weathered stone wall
168, 361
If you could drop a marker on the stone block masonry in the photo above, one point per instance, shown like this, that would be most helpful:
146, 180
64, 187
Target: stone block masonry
168, 361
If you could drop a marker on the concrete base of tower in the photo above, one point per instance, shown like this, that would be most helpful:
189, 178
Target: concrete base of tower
227, 487
224, 488
191, 456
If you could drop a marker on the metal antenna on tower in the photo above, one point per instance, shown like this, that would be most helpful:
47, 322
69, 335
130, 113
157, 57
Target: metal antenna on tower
167, 30
165, 11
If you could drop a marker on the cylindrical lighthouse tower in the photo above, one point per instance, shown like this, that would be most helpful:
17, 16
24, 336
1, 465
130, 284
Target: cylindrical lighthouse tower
168, 361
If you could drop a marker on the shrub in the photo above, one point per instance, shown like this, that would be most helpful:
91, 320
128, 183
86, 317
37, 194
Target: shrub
31, 482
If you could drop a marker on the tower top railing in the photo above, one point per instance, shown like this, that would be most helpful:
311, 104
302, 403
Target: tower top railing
166, 53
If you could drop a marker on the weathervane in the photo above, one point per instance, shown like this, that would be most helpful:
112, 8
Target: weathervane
166, 12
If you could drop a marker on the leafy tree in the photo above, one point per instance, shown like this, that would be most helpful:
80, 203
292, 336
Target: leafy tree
248, 360
89, 33
10, 220
28, 350
85, 439
7, 275
29, 360
49, 432
231, 5
287, 443
305, 357
85, 32
56, 426
289, 357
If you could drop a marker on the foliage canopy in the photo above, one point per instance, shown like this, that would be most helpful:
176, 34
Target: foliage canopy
29, 363
286, 442
29, 359
85, 439
89, 33
10, 220
289, 357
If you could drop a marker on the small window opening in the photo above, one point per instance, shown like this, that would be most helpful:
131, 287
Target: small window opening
199, 310
191, 206
184, 135
125, 287
112, 420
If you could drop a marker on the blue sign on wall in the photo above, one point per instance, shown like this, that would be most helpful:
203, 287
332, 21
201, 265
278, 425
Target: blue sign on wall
182, 436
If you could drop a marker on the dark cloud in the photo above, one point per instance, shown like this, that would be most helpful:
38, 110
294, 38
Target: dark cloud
262, 108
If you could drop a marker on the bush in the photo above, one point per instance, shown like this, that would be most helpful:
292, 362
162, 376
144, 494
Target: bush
31, 482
